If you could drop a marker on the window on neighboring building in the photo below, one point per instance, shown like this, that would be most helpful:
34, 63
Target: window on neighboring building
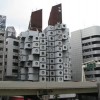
14, 71
6, 49
6, 42
1, 41
5, 56
85, 38
0, 64
15, 43
15, 57
1, 56
1, 49
15, 50
15, 64
96, 55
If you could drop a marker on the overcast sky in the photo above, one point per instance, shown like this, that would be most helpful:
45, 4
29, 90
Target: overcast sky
77, 14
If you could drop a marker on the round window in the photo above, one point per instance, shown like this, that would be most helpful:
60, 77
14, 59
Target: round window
42, 35
28, 45
36, 38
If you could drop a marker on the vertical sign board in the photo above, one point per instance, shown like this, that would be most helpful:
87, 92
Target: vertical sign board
2, 22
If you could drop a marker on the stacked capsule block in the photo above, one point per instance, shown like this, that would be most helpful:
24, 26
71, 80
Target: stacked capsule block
42, 59
29, 56
59, 53
50, 64
45, 56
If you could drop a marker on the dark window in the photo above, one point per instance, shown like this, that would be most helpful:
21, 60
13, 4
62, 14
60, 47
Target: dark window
95, 36
87, 56
6, 49
1, 56
5, 56
15, 50
96, 55
15, 57
15, 71
1, 41
1, 49
86, 44
97, 75
97, 68
85, 38
15, 43
15, 64
97, 48
96, 42
6, 42
0, 64
86, 50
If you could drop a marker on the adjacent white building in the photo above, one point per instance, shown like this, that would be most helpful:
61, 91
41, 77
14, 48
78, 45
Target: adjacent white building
11, 55
85, 46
